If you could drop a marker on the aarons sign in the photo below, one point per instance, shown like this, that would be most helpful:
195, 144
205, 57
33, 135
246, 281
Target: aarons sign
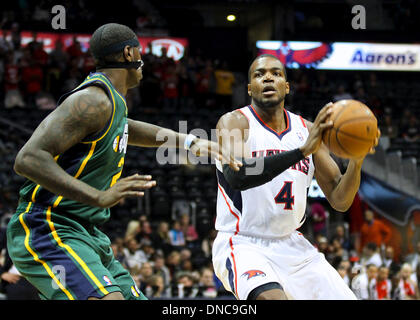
344, 55
175, 46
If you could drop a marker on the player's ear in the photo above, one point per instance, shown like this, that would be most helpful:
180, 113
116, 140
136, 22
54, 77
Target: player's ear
249, 90
128, 54
287, 87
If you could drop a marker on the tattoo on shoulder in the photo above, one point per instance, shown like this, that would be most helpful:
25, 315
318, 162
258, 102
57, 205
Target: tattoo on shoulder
88, 109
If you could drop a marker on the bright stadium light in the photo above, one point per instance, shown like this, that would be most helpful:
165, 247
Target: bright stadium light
231, 17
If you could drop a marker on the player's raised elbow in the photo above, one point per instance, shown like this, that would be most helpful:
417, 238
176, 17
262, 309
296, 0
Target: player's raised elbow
340, 205
23, 162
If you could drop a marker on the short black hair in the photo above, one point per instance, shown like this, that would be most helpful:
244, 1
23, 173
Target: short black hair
266, 55
106, 36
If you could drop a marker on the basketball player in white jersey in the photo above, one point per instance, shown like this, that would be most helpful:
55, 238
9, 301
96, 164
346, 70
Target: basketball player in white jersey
258, 254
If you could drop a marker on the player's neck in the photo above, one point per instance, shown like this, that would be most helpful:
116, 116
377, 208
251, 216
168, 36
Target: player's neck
118, 78
273, 117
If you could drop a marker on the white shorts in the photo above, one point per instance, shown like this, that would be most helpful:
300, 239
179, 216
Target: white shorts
244, 263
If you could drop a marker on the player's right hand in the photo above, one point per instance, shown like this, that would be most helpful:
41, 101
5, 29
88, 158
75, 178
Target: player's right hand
131, 186
314, 140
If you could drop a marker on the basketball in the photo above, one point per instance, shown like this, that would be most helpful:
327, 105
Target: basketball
354, 129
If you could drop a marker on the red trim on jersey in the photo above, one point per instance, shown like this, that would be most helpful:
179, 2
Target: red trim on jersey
243, 114
303, 121
234, 266
278, 133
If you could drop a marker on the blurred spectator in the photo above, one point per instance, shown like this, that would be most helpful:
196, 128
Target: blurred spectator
341, 94
363, 284
388, 128
161, 238
371, 255
145, 272
343, 271
374, 230
75, 50
408, 289
13, 96
170, 80
322, 245
342, 238
411, 132
155, 287
382, 289
118, 248
319, 219
159, 268
390, 262
185, 287
190, 234
132, 230
176, 235
207, 243
203, 79
225, 80
32, 77
133, 255
173, 262
206, 284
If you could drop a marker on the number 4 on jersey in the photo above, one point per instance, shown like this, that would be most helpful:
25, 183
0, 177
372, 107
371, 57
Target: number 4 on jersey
285, 196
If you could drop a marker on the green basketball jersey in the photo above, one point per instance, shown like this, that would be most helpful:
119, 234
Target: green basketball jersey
98, 160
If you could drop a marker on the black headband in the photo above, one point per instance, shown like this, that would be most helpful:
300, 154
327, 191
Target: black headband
116, 47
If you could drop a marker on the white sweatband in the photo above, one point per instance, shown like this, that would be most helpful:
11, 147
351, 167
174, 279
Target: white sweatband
188, 141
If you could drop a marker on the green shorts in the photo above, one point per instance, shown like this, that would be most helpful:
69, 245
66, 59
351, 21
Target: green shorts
64, 259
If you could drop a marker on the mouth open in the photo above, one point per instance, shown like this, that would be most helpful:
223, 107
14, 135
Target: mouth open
268, 91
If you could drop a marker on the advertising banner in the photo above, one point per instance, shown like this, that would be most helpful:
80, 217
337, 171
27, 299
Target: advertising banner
344, 55
175, 46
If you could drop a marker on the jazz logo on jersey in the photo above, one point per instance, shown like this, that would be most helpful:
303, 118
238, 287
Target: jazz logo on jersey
253, 273
121, 144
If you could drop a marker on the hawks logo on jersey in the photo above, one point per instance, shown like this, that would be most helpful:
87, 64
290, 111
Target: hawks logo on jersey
253, 273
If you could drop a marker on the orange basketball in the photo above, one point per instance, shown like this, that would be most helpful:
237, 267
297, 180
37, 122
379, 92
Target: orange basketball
354, 130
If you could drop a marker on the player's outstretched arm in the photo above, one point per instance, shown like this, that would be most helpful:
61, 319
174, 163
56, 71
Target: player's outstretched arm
232, 134
143, 134
82, 113
339, 189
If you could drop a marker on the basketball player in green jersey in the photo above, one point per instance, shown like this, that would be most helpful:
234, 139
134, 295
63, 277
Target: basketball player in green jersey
73, 163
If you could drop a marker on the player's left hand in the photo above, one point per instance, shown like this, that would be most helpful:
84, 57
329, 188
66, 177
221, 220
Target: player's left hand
202, 147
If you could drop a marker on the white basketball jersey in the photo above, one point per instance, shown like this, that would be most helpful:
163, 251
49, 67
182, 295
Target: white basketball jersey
276, 208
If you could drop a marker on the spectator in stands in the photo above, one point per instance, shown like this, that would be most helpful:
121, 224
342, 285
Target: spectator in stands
337, 253
411, 132
134, 256
176, 235
32, 78
371, 255
190, 233
155, 287
145, 272
145, 234
342, 93
207, 243
319, 218
203, 80
342, 238
364, 283
118, 249
133, 230
388, 128
159, 268
382, 288
343, 271
407, 287
322, 245
185, 285
75, 49
374, 230
13, 96
390, 262
161, 238
170, 81
225, 80
173, 262
206, 283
